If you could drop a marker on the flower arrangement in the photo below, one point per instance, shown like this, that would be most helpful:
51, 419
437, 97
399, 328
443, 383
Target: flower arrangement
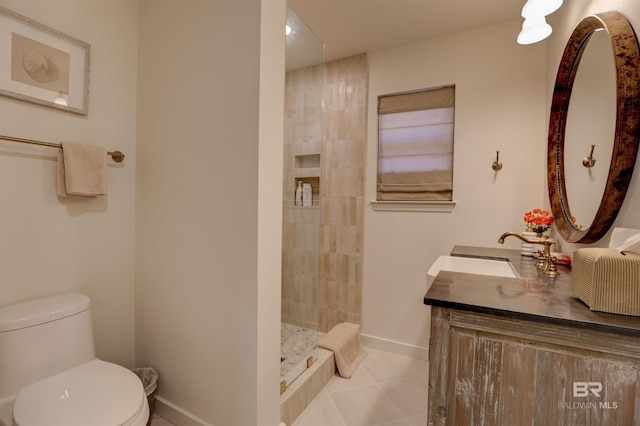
538, 220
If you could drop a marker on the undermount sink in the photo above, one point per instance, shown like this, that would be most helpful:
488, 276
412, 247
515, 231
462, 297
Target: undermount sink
471, 265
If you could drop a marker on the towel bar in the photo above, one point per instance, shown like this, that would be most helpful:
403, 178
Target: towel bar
117, 156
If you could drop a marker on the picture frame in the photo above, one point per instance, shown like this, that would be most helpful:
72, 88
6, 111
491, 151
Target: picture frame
42, 65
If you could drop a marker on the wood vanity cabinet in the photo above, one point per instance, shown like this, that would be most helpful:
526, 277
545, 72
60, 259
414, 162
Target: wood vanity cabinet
537, 358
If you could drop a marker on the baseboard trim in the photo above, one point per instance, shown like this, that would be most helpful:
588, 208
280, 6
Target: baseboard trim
176, 414
399, 348
179, 416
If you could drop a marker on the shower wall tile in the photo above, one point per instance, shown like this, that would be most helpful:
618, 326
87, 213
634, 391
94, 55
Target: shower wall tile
322, 247
301, 226
342, 190
327, 238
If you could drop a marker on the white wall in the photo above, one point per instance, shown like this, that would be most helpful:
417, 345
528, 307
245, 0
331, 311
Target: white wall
50, 245
563, 22
208, 212
500, 105
270, 171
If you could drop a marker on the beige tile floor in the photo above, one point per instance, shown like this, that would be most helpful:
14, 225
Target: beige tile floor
387, 390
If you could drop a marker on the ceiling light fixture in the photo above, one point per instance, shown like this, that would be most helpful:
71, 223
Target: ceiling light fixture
287, 30
536, 8
534, 30
535, 27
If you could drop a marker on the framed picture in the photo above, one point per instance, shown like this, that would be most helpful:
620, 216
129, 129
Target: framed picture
42, 65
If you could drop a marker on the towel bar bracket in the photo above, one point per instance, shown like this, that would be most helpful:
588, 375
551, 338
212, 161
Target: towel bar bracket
117, 156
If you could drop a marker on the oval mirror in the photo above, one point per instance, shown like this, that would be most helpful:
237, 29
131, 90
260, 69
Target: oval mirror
625, 136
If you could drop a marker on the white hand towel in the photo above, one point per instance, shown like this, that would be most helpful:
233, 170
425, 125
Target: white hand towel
82, 170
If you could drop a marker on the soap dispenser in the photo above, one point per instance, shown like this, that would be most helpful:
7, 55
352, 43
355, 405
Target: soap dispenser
298, 199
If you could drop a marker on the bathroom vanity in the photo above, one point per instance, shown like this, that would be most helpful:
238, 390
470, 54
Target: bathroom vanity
515, 351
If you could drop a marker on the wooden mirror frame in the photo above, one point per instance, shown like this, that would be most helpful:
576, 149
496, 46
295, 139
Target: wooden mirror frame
627, 129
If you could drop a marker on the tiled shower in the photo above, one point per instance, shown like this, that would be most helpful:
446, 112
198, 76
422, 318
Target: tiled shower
325, 141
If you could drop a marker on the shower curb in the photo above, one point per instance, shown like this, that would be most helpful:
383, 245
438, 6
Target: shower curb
306, 387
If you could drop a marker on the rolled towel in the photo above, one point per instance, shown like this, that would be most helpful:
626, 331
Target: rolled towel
344, 341
82, 170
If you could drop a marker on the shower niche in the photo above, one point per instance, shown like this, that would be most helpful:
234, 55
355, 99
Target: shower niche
307, 170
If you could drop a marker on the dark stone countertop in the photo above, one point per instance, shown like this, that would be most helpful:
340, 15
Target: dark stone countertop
533, 297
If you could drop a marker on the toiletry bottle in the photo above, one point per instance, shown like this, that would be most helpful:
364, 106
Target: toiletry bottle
306, 195
298, 199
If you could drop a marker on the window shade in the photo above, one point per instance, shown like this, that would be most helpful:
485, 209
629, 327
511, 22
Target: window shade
415, 146
413, 101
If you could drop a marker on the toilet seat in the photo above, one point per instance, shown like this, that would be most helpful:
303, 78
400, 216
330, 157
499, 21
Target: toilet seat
96, 393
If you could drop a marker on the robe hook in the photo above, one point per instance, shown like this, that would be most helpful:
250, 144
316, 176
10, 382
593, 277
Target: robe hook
589, 161
497, 165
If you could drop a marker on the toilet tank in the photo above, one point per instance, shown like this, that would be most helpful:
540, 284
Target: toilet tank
43, 337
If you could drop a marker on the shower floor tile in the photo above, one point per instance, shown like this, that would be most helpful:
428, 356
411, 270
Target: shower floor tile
296, 344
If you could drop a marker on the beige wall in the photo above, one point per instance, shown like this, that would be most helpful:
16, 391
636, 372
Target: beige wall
50, 245
500, 105
208, 221
270, 166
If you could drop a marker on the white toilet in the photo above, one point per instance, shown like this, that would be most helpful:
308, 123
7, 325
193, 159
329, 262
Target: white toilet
50, 376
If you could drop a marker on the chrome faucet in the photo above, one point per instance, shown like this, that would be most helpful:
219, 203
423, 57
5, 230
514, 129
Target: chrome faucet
545, 261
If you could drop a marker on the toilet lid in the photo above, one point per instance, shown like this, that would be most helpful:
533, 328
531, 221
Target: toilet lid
97, 393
